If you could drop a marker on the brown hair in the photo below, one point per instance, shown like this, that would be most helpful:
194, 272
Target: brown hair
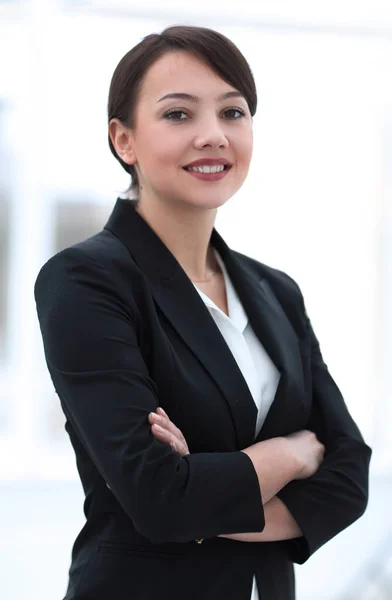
213, 48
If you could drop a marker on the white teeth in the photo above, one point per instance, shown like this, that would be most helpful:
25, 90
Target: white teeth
207, 169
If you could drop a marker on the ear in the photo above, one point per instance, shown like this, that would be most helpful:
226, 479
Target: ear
122, 140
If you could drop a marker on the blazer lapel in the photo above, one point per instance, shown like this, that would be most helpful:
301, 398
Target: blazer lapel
180, 302
276, 334
187, 312
177, 298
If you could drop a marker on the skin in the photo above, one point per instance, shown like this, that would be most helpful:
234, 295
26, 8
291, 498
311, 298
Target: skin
180, 208
167, 135
279, 523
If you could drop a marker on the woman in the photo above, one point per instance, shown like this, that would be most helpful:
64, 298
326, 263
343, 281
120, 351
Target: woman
155, 315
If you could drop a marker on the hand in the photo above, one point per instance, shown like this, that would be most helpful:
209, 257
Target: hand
308, 451
166, 432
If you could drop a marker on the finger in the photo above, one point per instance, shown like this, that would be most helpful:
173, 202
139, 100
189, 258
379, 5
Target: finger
164, 436
180, 448
156, 418
162, 412
153, 418
160, 432
167, 424
174, 433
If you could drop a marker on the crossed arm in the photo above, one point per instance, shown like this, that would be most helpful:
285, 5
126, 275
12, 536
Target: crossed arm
104, 361
279, 523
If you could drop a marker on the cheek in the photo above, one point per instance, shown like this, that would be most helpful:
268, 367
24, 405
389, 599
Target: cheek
160, 151
244, 146
249, 153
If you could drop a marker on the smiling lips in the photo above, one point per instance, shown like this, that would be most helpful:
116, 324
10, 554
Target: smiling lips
209, 169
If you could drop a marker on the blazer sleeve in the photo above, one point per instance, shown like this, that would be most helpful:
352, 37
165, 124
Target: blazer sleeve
336, 495
91, 346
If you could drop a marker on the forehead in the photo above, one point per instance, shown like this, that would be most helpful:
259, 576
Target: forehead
181, 72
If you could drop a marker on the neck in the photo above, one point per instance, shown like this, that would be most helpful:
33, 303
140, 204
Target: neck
186, 232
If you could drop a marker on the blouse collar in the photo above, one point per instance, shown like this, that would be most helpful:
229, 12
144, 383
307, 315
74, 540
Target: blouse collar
237, 314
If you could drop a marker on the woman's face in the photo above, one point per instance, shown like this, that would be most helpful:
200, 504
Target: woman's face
186, 113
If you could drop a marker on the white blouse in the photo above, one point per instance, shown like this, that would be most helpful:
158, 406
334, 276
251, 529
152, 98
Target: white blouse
257, 368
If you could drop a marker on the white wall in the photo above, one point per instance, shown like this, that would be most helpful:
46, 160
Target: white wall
317, 202
313, 204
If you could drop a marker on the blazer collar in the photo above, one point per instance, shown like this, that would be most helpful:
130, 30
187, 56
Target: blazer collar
173, 290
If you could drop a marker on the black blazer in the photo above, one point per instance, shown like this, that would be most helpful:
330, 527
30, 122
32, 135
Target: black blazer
125, 331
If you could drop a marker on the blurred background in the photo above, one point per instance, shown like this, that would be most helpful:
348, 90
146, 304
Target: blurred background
317, 203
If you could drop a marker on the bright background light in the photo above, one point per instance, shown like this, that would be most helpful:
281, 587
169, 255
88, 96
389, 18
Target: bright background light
317, 204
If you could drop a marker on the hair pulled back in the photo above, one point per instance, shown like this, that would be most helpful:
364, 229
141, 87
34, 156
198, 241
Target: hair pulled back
212, 47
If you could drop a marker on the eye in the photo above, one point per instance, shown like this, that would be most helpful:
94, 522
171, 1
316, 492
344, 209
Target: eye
175, 115
229, 112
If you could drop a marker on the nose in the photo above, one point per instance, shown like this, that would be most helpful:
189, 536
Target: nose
210, 134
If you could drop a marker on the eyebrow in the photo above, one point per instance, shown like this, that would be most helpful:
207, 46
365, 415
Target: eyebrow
184, 96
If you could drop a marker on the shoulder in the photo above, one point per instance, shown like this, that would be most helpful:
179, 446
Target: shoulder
102, 250
98, 267
102, 256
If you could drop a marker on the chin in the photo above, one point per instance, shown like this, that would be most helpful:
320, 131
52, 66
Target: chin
209, 198
208, 203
